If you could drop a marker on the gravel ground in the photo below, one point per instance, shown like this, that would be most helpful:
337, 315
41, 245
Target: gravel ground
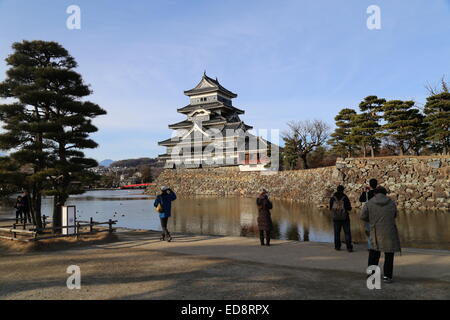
143, 272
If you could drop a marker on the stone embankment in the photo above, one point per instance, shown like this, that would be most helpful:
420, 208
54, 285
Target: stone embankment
414, 182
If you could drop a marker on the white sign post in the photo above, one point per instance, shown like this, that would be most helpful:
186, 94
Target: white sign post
68, 219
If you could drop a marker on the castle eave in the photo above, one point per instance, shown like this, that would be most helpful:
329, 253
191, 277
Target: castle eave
207, 85
225, 92
209, 106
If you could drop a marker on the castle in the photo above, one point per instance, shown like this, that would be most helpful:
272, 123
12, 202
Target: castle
213, 135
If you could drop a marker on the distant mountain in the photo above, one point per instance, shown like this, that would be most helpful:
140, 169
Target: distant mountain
106, 163
134, 162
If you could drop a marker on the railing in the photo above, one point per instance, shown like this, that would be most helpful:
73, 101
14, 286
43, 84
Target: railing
139, 185
34, 234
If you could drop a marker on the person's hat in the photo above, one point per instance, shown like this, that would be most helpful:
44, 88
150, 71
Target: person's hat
164, 188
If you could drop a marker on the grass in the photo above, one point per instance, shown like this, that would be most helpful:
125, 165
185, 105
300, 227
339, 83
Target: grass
12, 246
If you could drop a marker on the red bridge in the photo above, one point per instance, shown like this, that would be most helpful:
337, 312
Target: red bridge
137, 186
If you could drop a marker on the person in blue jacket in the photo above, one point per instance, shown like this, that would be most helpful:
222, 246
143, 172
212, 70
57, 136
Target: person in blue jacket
165, 200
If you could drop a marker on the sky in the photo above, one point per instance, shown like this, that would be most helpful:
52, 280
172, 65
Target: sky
286, 60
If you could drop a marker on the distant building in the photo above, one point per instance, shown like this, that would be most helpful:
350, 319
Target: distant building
213, 135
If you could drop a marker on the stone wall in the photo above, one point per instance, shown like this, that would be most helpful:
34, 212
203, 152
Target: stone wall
414, 182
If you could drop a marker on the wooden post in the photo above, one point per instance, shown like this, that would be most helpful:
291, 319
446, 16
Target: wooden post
110, 225
91, 225
78, 230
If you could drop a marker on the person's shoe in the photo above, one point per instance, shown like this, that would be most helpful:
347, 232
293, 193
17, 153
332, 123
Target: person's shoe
162, 238
387, 279
169, 238
267, 244
337, 249
350, 250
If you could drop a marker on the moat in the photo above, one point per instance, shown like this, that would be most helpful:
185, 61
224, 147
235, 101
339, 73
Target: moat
237, 217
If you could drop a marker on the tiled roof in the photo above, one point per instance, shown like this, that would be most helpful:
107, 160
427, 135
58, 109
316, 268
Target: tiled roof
217, 119
215, 86
207, 106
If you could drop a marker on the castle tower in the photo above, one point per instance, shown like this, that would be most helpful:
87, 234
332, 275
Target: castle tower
212, 134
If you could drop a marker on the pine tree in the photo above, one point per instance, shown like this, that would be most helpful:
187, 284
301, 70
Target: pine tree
362, 132
405, 125
11, 178
290, 153
23, 126
437, 117
367, 130
49, 93
341, 137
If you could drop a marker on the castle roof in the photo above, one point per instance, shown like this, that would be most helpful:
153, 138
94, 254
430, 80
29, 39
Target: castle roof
229, 126
207, 85
188, 123
208, 106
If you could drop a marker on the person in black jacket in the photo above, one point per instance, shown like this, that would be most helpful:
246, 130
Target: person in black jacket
340, 206
19, 209
26, 206
369, 192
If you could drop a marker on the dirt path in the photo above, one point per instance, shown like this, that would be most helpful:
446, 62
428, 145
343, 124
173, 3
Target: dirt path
196, 267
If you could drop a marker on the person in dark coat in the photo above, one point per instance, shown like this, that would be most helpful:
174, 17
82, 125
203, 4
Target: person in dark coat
369, 191
264, 217
340, 207
26, 206
366, 195
380, 212
19, 209
165, 200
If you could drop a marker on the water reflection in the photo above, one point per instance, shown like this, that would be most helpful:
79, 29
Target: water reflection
299, 222
237, 217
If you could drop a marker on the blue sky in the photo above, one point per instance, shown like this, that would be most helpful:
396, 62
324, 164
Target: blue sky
287, 60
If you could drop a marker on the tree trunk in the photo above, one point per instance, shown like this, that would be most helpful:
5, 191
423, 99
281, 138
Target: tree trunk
32, 212
57, 215
364, 151
61, 198
37, 187
372, 152
304, 161
35, 207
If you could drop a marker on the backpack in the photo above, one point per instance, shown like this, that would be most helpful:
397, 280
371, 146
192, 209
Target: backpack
338, 209
159, 207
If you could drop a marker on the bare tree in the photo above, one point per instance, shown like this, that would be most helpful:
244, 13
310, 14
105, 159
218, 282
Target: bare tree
305, 136
434, 90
